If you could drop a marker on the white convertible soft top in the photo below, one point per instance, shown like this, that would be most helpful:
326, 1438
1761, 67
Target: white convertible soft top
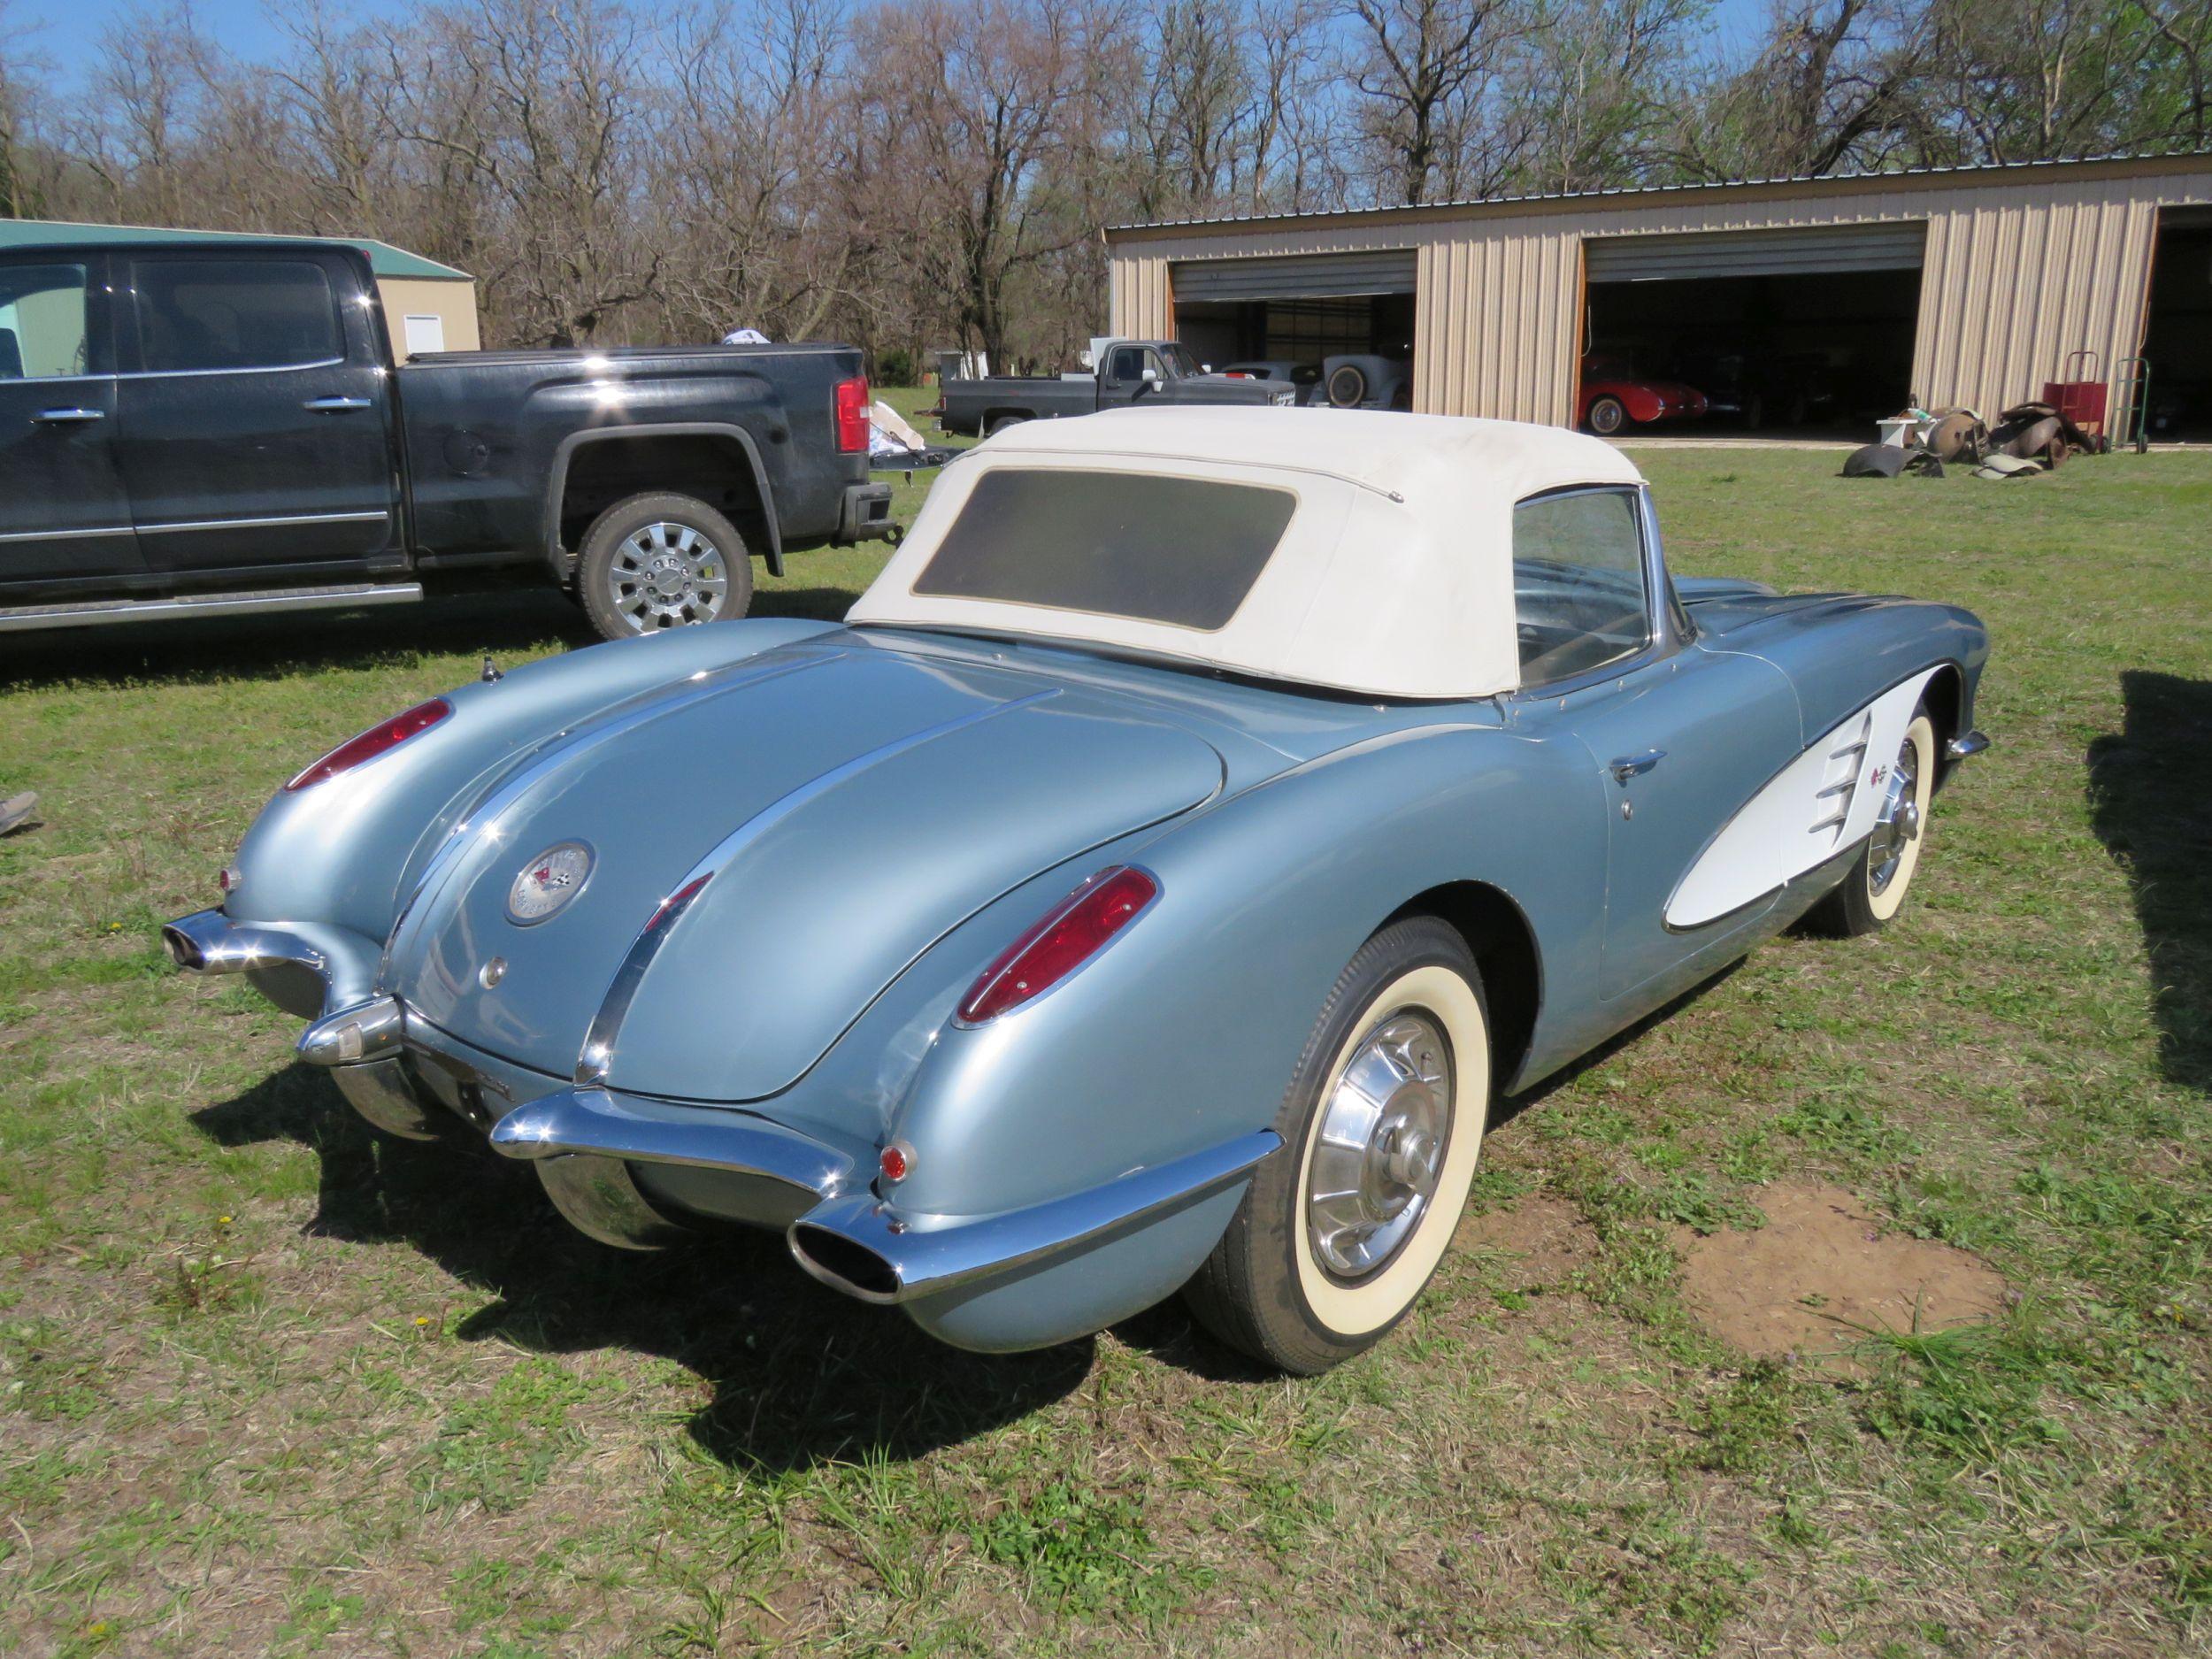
1394, 577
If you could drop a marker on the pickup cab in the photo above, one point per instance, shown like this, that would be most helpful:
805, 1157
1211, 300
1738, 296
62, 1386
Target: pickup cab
1129, 372
203, 430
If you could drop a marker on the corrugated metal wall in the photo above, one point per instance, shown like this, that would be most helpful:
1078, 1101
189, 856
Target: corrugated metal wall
2022, 269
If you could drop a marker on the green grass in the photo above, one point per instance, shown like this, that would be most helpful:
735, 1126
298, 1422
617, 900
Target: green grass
268, 1384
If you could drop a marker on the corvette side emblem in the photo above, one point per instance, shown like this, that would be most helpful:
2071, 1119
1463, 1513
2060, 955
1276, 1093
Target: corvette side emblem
549, 883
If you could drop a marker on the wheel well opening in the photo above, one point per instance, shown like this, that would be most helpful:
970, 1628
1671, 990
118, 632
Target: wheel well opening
1504, 949
1943, 697
715, 470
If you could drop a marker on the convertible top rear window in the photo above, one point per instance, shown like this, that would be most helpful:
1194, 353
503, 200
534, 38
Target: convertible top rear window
1179, 550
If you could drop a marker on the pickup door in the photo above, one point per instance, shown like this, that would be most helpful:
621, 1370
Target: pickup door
255, 410
1121, 376
63, 513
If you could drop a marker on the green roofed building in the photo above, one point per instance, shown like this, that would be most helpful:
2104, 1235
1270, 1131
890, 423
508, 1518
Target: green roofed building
428, 306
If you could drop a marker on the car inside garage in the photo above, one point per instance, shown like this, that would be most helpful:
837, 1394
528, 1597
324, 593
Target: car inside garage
1785, 333
2178, 335
1351, 314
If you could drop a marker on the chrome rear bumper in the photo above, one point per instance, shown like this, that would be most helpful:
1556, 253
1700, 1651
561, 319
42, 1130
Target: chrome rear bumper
307, 969
596, 1151
844, 1234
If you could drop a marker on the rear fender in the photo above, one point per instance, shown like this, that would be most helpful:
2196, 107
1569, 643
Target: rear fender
1184, 1031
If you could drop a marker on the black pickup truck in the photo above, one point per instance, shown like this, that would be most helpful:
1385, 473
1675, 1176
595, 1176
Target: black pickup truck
1129, 372
212, 429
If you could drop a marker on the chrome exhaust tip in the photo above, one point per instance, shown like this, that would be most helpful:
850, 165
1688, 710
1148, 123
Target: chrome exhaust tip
182, 951
845, 1264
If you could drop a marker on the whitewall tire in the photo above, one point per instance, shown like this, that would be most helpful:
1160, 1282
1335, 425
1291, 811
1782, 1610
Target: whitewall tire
1382, 1127
1873, 889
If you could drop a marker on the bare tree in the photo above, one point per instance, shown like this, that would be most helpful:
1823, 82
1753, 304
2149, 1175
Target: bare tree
1422, 66
537, 103
969, 101
1833, 88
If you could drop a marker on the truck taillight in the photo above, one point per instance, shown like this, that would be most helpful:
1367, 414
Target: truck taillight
852, 416
373, 742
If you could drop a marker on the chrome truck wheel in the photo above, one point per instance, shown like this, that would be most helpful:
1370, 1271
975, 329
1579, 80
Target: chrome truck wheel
662, 561
1340, 1231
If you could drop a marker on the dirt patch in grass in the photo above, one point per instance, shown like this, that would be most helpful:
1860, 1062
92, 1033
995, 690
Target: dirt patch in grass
1821, 1273
1545, 1239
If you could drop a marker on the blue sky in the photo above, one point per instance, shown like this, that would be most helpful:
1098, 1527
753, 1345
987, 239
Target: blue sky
243, 25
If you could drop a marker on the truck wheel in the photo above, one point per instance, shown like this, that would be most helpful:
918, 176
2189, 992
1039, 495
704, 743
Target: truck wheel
661, 560
1000, 423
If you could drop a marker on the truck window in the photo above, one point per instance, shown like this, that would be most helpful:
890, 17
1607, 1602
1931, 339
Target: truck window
1178, 354
42, 321
1578, 582
198, 314
1179, 550
1125, 363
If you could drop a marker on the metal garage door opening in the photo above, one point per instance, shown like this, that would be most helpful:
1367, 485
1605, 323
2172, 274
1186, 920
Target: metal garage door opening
1785, 333
1336, 323
2177, 342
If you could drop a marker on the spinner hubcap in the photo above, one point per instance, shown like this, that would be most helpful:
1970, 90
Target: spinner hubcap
1897, 823
1380, 1148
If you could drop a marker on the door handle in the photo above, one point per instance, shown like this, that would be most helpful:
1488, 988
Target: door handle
68, 417
334, 405
1634, 766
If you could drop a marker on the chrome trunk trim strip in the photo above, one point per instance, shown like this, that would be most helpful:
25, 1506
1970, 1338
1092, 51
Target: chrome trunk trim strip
599, 1043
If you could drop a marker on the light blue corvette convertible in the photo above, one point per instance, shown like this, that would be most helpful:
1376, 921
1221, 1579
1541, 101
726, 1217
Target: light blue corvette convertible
1203, 818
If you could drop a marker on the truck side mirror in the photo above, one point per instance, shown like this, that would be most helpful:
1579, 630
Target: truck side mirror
1150, 376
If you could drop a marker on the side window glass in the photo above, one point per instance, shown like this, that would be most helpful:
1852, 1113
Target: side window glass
1127, 360
1578, 591
1152, 361
235, 314
42, 321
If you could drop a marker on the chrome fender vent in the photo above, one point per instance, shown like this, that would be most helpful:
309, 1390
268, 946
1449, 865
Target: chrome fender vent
1839, 783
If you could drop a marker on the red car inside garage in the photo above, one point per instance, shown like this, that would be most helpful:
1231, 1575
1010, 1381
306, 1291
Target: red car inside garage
1614, 396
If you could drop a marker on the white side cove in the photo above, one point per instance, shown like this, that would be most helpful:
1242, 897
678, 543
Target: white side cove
1821, 803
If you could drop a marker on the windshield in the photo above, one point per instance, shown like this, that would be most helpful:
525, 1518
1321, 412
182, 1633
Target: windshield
1178, 357
1184, 551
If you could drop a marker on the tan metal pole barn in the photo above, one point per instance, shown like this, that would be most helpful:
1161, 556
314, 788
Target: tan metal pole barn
2023, 265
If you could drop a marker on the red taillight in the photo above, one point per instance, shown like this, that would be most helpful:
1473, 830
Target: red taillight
852, 416
1062, 941
375, 741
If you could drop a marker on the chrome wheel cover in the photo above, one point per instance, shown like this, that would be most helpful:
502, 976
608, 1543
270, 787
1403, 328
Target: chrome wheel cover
665, 576
1897, 825
1379, 1146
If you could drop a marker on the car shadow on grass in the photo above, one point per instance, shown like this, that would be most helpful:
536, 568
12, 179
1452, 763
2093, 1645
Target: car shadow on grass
2150, 807
799, 1375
